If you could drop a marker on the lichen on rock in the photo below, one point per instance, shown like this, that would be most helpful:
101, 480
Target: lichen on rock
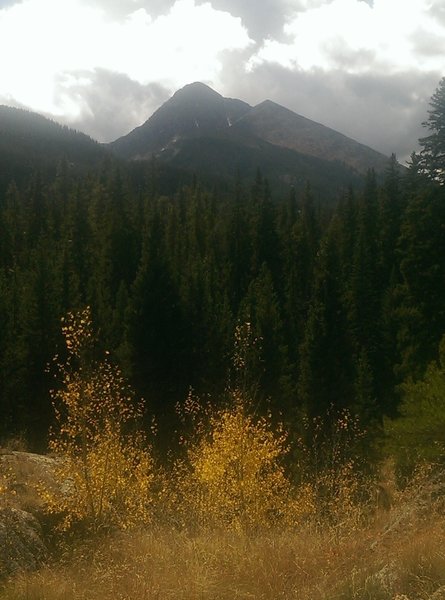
21, 542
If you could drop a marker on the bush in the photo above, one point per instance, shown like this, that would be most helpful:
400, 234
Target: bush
107, 473
232, 475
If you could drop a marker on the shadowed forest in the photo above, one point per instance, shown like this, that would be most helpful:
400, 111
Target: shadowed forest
346, 301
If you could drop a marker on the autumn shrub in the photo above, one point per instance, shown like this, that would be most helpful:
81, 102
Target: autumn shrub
107, 473
232, 474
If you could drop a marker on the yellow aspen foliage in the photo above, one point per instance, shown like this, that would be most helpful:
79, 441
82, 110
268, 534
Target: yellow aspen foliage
106, 472
233, 476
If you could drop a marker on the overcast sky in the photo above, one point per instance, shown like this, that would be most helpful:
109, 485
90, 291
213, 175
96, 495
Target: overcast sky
364, 67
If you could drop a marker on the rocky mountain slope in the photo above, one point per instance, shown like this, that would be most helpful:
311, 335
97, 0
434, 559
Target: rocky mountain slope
282, 127
198, 112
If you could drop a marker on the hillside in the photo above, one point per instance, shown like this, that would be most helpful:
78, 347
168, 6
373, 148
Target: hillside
29, 141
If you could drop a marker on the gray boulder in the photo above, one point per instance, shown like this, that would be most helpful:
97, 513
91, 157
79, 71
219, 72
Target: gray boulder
22, 477
21, 542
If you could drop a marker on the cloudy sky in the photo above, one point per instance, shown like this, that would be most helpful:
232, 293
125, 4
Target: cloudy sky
364, 67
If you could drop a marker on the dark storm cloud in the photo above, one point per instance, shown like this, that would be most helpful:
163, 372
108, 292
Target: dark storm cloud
266, 18
114, 104
262, 19
381, 111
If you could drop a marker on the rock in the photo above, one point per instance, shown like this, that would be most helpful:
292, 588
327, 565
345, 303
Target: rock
22, 477
26, 474
21, 542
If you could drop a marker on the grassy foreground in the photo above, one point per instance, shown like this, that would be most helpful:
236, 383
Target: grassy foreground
397, 555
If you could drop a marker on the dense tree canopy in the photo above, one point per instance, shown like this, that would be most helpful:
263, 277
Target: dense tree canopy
346, 300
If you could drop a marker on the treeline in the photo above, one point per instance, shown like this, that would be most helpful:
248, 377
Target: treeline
345, 301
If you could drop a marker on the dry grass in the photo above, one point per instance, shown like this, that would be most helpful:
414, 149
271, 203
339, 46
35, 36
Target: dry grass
358, 553
373, 562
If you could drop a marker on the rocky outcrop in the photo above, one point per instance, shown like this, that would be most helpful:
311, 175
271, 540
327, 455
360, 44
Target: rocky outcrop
22, 477
21, 542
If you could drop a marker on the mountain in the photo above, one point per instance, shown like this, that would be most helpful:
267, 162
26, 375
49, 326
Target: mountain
29, 141
201, 130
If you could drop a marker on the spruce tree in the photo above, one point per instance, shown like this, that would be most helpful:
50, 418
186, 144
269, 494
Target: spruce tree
421, 308
433, 145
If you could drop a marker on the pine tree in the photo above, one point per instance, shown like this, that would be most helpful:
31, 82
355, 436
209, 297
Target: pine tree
388, 220
433, 145
325, 352
363, 289
261, 308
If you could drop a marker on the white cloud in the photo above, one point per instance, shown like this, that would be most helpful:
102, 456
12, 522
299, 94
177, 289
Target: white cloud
356, 37
49, 42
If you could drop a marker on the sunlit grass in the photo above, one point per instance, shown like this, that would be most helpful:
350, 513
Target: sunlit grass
309, 563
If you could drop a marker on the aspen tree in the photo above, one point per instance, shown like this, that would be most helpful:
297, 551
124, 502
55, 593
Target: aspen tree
106, 470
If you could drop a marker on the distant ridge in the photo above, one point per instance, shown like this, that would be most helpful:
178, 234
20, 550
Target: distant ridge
30, 141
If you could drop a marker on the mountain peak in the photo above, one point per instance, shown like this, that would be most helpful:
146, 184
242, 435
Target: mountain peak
196, 92
195, 110
268, 103
270, 107
197, 86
